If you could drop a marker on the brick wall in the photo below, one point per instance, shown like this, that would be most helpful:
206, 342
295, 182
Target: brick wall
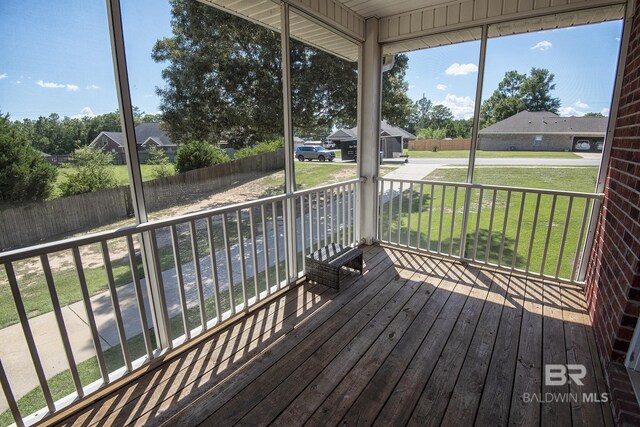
613, 277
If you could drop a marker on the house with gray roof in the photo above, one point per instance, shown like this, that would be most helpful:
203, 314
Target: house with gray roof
544, 131
147, 135
392, 140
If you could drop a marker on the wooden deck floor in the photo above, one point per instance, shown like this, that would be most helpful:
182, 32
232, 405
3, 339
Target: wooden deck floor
414, 340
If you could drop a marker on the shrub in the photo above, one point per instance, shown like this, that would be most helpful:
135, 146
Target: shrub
198, 154
92, 172
259, 148
160, 162
24, 174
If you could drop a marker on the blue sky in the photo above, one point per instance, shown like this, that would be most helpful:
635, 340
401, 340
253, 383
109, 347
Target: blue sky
583, 60
58, 59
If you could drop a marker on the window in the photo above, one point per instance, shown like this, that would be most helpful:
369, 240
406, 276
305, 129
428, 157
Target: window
537, 141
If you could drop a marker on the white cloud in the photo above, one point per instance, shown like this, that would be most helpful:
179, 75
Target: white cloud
580, 104
85, 112
441, 87
92, 87
49, 85
570, 111
456, 69
605, 112
52, 85
460, 106
542, 46
3, 76
18, 82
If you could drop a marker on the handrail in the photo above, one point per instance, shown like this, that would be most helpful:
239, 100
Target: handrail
594, 195
70, 243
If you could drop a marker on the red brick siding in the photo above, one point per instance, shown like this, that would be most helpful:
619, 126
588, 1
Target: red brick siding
613, 275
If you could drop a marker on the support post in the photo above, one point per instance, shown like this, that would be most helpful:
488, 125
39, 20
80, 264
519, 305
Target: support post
474, 140
151, 270
370, 103
289, 217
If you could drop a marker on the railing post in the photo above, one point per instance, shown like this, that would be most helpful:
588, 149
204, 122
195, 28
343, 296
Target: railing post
369, 106
289, 216
151, 269
474, 141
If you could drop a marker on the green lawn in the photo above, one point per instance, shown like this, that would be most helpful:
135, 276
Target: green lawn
493, 154
443, 234
119, 171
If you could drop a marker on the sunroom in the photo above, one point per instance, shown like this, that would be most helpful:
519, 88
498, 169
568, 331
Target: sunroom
499, 286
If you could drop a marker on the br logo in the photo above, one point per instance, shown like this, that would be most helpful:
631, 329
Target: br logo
558, 375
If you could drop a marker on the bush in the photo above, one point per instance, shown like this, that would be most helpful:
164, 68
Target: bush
92, 172
162, 168
24, 174
198, 154
259, 148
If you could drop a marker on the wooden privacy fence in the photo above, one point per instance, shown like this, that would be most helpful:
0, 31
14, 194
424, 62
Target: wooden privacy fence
32, 222
442, 144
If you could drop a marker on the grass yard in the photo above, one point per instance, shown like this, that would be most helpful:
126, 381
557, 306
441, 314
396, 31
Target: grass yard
443, 154
119, 171
443, 233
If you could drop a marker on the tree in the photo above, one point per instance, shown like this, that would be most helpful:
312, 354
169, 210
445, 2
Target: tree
439, 116
517, 92
198, 154
24, 174
594, 115
224, 81
397, 107
420, 114
535, 91
92, 172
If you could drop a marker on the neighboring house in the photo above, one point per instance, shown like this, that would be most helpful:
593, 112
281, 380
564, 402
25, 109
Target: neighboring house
147, 135
392, 140
544, 131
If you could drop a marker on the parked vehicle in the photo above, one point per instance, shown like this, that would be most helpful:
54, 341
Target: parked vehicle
318, 153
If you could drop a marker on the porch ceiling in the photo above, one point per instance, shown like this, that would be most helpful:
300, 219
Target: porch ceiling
267, 14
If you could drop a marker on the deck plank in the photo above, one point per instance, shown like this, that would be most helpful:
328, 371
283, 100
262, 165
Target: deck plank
321, 372
335, 405
373, 397
497, 394
528, 375
465, 398
554, 412
578, 352
433, 401
349, 302
397, 409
